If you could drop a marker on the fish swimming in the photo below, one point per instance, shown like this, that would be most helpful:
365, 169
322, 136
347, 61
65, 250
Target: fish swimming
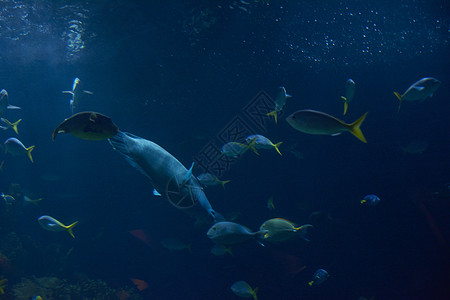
49, 223
76, 93
316, 122
349, 93
244, 290
280, 101
9, 200
15, 147
10, 125
87, 125
167, 175
4, 103
261, 142
208, 179
234, 149
280, 230
230, 233
419, 91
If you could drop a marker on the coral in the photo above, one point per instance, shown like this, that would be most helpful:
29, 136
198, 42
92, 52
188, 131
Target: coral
52, 288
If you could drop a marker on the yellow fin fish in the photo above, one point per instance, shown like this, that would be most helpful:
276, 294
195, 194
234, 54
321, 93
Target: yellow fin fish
15, 147
243, 289
316, 122
419, 91
52, 224
3, 285
11, 125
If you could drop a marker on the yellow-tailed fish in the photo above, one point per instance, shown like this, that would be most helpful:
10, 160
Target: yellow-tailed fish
9, 200
15, 147
33, 201
280, 230
243, 289
11, 125
349, 93
280, 101
316, 122
49, 223
208, 179
87, 125
234, 149
261, 142
419, 91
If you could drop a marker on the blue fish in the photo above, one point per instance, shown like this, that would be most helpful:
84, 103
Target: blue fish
319, 277
371, 200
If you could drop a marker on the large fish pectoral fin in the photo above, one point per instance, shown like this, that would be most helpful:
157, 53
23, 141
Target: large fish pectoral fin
355, 129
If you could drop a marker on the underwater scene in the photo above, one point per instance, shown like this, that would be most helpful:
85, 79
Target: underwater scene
224, 149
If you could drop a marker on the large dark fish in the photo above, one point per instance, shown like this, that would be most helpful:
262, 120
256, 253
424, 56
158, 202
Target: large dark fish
316, 122
4, 103
168, 176
87, 125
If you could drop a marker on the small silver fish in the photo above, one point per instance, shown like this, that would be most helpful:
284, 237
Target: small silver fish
76, 93
419, 91
15, 147
4, 103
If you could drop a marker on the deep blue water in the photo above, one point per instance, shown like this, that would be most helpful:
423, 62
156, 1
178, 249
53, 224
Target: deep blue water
178, 74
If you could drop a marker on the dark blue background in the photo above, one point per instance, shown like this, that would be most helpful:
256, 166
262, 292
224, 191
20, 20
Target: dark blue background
160, 79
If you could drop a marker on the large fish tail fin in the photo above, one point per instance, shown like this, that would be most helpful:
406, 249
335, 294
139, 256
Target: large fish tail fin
274, 114
345, 104
29, 149
70, 228
355, 130
400, 99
